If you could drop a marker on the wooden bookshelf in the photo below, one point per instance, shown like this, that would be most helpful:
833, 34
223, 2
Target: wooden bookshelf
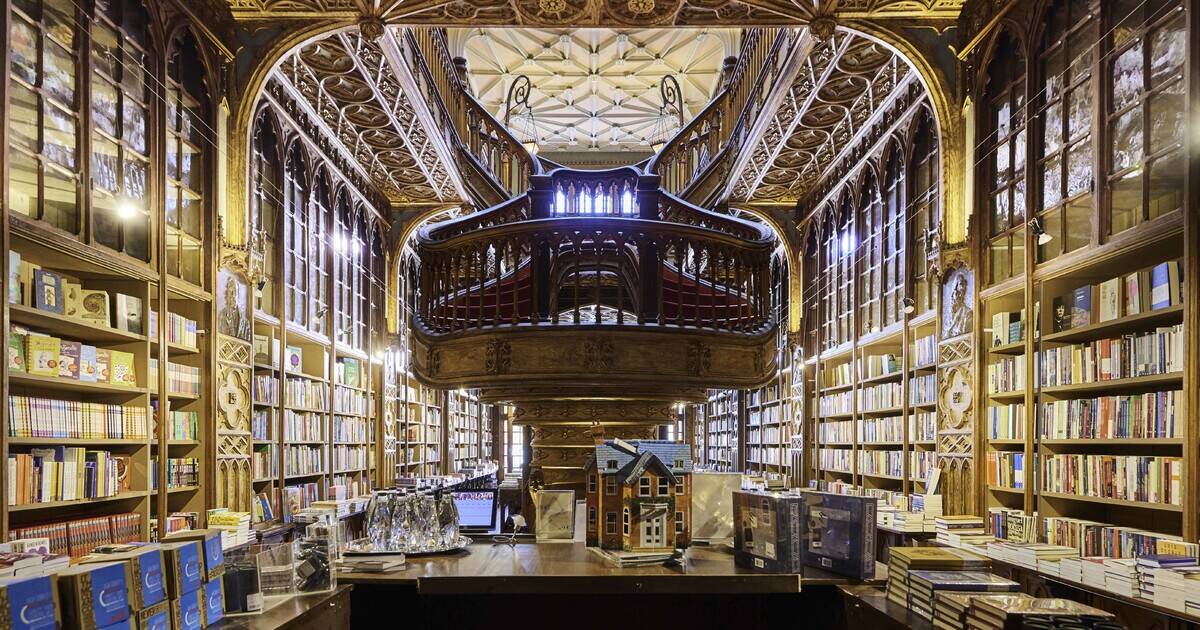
722, 420
464, 430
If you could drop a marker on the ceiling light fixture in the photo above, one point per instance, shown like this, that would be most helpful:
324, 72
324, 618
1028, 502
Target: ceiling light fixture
522, 125
670, 113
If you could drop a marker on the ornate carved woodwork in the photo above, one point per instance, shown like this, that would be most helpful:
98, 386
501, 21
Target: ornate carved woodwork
232, 386
956, 390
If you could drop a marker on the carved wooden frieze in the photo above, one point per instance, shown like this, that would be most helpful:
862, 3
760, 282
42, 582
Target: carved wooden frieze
232, 380
956, 389
585, 412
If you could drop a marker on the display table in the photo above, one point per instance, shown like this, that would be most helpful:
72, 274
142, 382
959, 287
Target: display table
487, 583
318, 611
867, 608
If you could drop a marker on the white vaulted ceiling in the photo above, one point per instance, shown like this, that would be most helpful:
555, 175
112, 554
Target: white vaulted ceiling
596, 88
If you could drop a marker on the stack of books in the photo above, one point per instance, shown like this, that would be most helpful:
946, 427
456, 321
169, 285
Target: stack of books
1093, 571
957, 531
950, 607
929, 505
1178, 589
1016, 611
922, 586
1146, 566
1042, 556
1074, 568
901, 560
1120, 576
234, 526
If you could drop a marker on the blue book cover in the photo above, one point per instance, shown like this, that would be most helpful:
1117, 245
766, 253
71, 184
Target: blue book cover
149, 586
214, 601
156, 617
183, 567
1165, 288
840, 533
30, 602
124, 624
188, 611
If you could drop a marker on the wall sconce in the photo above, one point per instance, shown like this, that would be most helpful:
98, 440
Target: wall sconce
910, 305
1043, 237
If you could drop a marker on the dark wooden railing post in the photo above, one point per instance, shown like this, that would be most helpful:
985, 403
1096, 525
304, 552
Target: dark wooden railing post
649, 264
541, 206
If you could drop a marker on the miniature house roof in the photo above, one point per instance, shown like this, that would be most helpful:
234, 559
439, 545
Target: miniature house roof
613, 456
647, 460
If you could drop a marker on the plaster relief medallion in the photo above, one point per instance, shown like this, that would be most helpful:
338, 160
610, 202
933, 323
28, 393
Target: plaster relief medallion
597, 353
232, 306
957, 295
640, 7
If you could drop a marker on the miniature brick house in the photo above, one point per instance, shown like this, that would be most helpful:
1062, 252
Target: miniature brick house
639, 495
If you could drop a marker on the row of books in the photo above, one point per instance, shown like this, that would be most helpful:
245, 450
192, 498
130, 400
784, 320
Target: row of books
347, 457
841, 403
1128, 356
260, 424
770, 455
63, 473
349, 430
303, 426
925, 351
921, 463
922, 426
306, 393
922, 390
834, 459
1006, 422
181, 331
891, 463
1091, 538
354, 487
43, 355
763, 395
349, 401
1138, 416
1151, 479
881, 430
348, 371
877, 365
764, 415
754, 435
1008, 327
840, 375
78, 537
1006, 375
839, 432
1012, 524
31, 285
31, 416
181, 379
301, 496
1151, 289
265, 389
181, 425
881, 396
1006, 469
181, 472
263, 463
303, 460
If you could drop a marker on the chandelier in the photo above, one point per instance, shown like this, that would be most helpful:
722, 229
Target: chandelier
520, 123
670, 113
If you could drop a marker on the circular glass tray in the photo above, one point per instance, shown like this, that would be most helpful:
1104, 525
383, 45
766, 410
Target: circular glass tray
364, 552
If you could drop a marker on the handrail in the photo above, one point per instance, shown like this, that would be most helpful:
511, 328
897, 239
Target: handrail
648, 228
675, 210
511, 211
708, 140
483, 141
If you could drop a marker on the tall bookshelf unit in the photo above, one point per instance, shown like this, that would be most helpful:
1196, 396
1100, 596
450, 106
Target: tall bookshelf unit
464, 430
722, 423
420, 436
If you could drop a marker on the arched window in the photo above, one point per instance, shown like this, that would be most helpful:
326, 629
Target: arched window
827, 280
120, 142
1146, 113
343, 270
813, 297
265, 196
189, 134
295, 235
318, 253
870, 256
847, 246
1066, 155
362, 280
378, 291
893, 236
1004, 171
43, 160
922, 224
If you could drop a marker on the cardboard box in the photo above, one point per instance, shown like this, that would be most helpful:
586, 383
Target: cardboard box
214, 601
768, 532
187, 612
156, 617
146, 569
840, 533
214, 555
183, 567
94, 596
29, 603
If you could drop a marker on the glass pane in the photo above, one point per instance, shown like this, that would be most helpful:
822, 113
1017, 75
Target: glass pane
104, 106
1130, 16
135, 181
1080, 46
23, 118
1168, 51
173, 246
59, 18
1127, 76
1018, 202
1079, 224
1079, 122
1052, 222
999, 212
1018, 255
134, 125
1166, 120
172, 157
1052, 182
61, 205
133, 79
23, 52
137, 236
171, 207
104, 163
104, 50
1127, 140
1003, 118
190, 166
1003, 164
22, 183
1166, 184
190, 207
58, 75
1079, 168
1053, 129
999, 261
1125, 202
1052, 69
59, 142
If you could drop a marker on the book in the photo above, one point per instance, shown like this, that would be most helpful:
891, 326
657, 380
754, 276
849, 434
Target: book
121, 369
1062, 314
72, 298
48, 291
1081, 306
262, 350
1165, 287
14, 277
25, 278
16, 352
293, 358
1110, 300
87, 363
68, 359
103, 365
840, 533
128, 313
768, 531
42, 353
94, 307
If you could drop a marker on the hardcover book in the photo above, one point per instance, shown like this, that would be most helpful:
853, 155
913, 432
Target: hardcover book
26, 280
103, 365
768, 531
48, 291
94, 307
214, 602
183, 566
129, 313
188, 611
94, 595
72, 298
156, 617
121, 369
68, 359
14, 277
42, 354
1165, 288
1110, 300
16, 352
213, 557
30, 603
262, 350
961, 581
1081, 306
87, 363
293, 358
146, 572
840, 533
1062, 314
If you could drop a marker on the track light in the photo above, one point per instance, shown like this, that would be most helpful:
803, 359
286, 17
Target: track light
910, 305
1043, 237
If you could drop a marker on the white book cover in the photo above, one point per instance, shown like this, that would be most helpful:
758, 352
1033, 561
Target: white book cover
1110, 299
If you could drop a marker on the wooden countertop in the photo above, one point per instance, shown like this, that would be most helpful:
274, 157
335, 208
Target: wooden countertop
294, 612
487, 568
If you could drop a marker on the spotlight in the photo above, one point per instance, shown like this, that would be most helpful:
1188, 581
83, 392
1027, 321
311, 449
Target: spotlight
126, 210
262, 284
910, 305
1043, 237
